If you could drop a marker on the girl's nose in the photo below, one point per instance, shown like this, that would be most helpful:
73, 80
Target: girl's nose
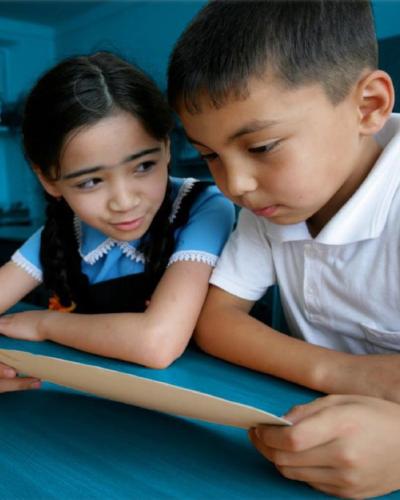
123, 199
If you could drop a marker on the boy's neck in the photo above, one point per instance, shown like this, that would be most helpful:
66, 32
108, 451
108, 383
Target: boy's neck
370, 154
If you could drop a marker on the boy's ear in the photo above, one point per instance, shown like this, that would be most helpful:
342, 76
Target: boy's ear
375, 96
48, 185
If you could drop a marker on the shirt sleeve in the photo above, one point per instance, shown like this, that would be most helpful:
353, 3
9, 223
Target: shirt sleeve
246, 268
27, 256
209, 225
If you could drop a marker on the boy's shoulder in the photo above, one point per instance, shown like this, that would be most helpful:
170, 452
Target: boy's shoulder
380, 191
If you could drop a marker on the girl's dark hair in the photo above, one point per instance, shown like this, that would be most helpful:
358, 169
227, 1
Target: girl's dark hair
301, 41
79, 92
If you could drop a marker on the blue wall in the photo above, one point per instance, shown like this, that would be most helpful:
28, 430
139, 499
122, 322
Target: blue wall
143, 32
28, 49
387, 17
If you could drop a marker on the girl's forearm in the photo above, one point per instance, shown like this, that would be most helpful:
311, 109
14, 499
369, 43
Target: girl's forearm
154, 338
126, 336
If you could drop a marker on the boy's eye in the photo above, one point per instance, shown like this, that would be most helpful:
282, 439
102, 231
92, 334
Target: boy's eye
265, 148
88, 184
208, 156
144, 167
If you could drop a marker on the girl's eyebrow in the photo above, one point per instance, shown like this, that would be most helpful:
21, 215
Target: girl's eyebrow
96, 168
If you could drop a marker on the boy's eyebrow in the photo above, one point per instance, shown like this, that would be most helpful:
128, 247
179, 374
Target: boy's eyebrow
248, 128
96, 168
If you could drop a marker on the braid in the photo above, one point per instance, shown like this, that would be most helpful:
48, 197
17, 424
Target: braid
59, 254
159, 242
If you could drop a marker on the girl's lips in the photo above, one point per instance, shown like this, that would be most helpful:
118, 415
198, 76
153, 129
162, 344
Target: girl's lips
266, 211
129, 225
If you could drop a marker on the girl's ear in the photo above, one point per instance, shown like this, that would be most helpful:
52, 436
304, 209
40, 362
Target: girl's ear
375, 101
48, 185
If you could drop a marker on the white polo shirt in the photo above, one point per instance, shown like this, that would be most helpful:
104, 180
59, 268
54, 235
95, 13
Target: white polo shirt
341, 289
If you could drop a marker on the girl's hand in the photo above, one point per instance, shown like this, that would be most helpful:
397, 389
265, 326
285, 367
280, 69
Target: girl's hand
348, 446
9, 381
24, 325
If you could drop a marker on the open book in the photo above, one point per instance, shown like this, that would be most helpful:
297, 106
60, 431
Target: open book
138, 391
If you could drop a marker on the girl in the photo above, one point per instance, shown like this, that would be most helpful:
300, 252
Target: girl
126, 249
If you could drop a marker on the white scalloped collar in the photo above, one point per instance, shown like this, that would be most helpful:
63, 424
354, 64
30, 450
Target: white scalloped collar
94, 245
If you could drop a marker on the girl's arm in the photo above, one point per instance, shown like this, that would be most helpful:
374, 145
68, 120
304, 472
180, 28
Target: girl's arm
15, 283
154, 338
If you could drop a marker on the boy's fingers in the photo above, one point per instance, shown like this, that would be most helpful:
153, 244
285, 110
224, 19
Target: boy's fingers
311, 466
7, 371
331, 489
319, 428
18, 384
9, 381
317, 475
327, 455
300, 412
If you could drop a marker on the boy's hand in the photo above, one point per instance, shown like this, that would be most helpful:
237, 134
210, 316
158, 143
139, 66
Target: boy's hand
348, 446
24, 325
381, 373
375, 375
9, 381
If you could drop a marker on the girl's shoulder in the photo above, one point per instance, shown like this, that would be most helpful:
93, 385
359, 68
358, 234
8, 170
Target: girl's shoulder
28, 255
203, 219
182, 186
189, 194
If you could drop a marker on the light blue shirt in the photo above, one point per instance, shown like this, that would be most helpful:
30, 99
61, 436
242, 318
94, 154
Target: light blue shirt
201, 239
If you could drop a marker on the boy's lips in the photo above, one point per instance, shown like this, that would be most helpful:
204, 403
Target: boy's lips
268, 211
128, 225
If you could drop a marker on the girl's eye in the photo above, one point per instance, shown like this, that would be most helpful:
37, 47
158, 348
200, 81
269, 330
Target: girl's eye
265, 148
144, 167
88, 184
208, 156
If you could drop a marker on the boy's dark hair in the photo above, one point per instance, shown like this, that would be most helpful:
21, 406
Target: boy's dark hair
316, 41
79, 92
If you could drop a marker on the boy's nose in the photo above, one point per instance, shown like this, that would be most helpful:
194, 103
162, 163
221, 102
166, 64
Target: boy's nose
239, 181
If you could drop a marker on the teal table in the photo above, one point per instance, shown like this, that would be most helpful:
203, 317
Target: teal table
56, 443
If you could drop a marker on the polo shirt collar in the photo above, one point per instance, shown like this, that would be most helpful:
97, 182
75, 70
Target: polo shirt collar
365, 213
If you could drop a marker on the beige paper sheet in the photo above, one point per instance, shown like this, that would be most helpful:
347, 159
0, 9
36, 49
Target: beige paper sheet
138, 391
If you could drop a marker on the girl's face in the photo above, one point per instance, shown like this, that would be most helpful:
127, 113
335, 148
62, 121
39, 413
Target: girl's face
113, 175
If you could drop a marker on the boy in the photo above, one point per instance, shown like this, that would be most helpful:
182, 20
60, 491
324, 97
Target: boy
9, 380
285, 103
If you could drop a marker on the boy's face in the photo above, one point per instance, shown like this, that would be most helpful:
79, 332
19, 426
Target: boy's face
287, 154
